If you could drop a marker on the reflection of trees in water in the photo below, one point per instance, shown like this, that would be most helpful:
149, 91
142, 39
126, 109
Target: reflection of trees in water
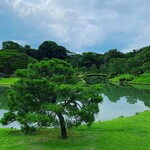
3, 98
115, 92
131, 99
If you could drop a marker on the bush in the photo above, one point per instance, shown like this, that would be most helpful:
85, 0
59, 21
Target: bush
129, 79
122, 79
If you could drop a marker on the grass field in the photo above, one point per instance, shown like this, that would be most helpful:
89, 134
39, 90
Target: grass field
142, 79
130, 133
116, 79
7, 81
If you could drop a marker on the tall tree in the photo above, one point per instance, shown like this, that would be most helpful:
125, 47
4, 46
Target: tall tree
111, 54
10, 45
91, 58
116, 66
12, 60
50, 95
50, 49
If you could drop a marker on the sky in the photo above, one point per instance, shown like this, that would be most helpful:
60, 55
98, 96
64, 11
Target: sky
78, 25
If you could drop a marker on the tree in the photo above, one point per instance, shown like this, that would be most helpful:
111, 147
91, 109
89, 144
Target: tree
116, 66
146, 61
49, 95
93, 69
111, 54
133, 65
10, 45
74, 59
91, 58
12, 60
34, 53
50, 50
104, 69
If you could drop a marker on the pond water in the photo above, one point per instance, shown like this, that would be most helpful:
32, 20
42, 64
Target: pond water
117, 101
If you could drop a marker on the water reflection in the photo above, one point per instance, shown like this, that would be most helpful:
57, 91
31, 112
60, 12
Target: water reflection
3, 107
14, 124
122, 101
132, 95
3, 97
117, 101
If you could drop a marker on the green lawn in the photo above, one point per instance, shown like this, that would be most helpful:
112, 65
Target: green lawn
142, 79
116, 79
131, 133
8, 81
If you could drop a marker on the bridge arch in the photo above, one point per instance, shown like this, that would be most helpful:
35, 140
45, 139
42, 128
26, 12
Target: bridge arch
95, 78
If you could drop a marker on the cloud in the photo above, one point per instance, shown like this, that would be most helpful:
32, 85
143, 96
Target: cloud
80, 24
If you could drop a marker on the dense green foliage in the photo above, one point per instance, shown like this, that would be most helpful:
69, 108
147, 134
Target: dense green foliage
12, 60
49, 49
112, 62
49, 95
11, 45
132, 133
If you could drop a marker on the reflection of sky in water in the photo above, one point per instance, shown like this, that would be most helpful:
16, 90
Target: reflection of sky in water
110, 110
13, 124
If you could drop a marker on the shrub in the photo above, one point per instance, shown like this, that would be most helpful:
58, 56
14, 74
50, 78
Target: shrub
129, 79
122, 79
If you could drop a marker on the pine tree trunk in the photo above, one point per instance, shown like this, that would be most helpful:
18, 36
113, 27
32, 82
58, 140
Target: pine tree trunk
62, 126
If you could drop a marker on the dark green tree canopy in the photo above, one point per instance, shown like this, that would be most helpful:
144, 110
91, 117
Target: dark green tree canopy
111, 54
49, 94
50, 50
11, 45
91, 58
116, 66
134, 62
34, 53
13, 60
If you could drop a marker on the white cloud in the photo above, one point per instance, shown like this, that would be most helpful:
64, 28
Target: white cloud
82, 24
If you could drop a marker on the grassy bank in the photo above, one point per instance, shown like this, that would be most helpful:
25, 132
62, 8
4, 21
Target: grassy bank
7, 81
131, 133
143, 79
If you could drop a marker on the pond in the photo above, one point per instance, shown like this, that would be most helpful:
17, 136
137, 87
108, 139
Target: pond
118, 101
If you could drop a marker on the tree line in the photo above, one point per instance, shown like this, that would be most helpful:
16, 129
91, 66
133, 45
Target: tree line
113, 62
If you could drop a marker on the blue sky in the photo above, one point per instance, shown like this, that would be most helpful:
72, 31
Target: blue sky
79, 25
